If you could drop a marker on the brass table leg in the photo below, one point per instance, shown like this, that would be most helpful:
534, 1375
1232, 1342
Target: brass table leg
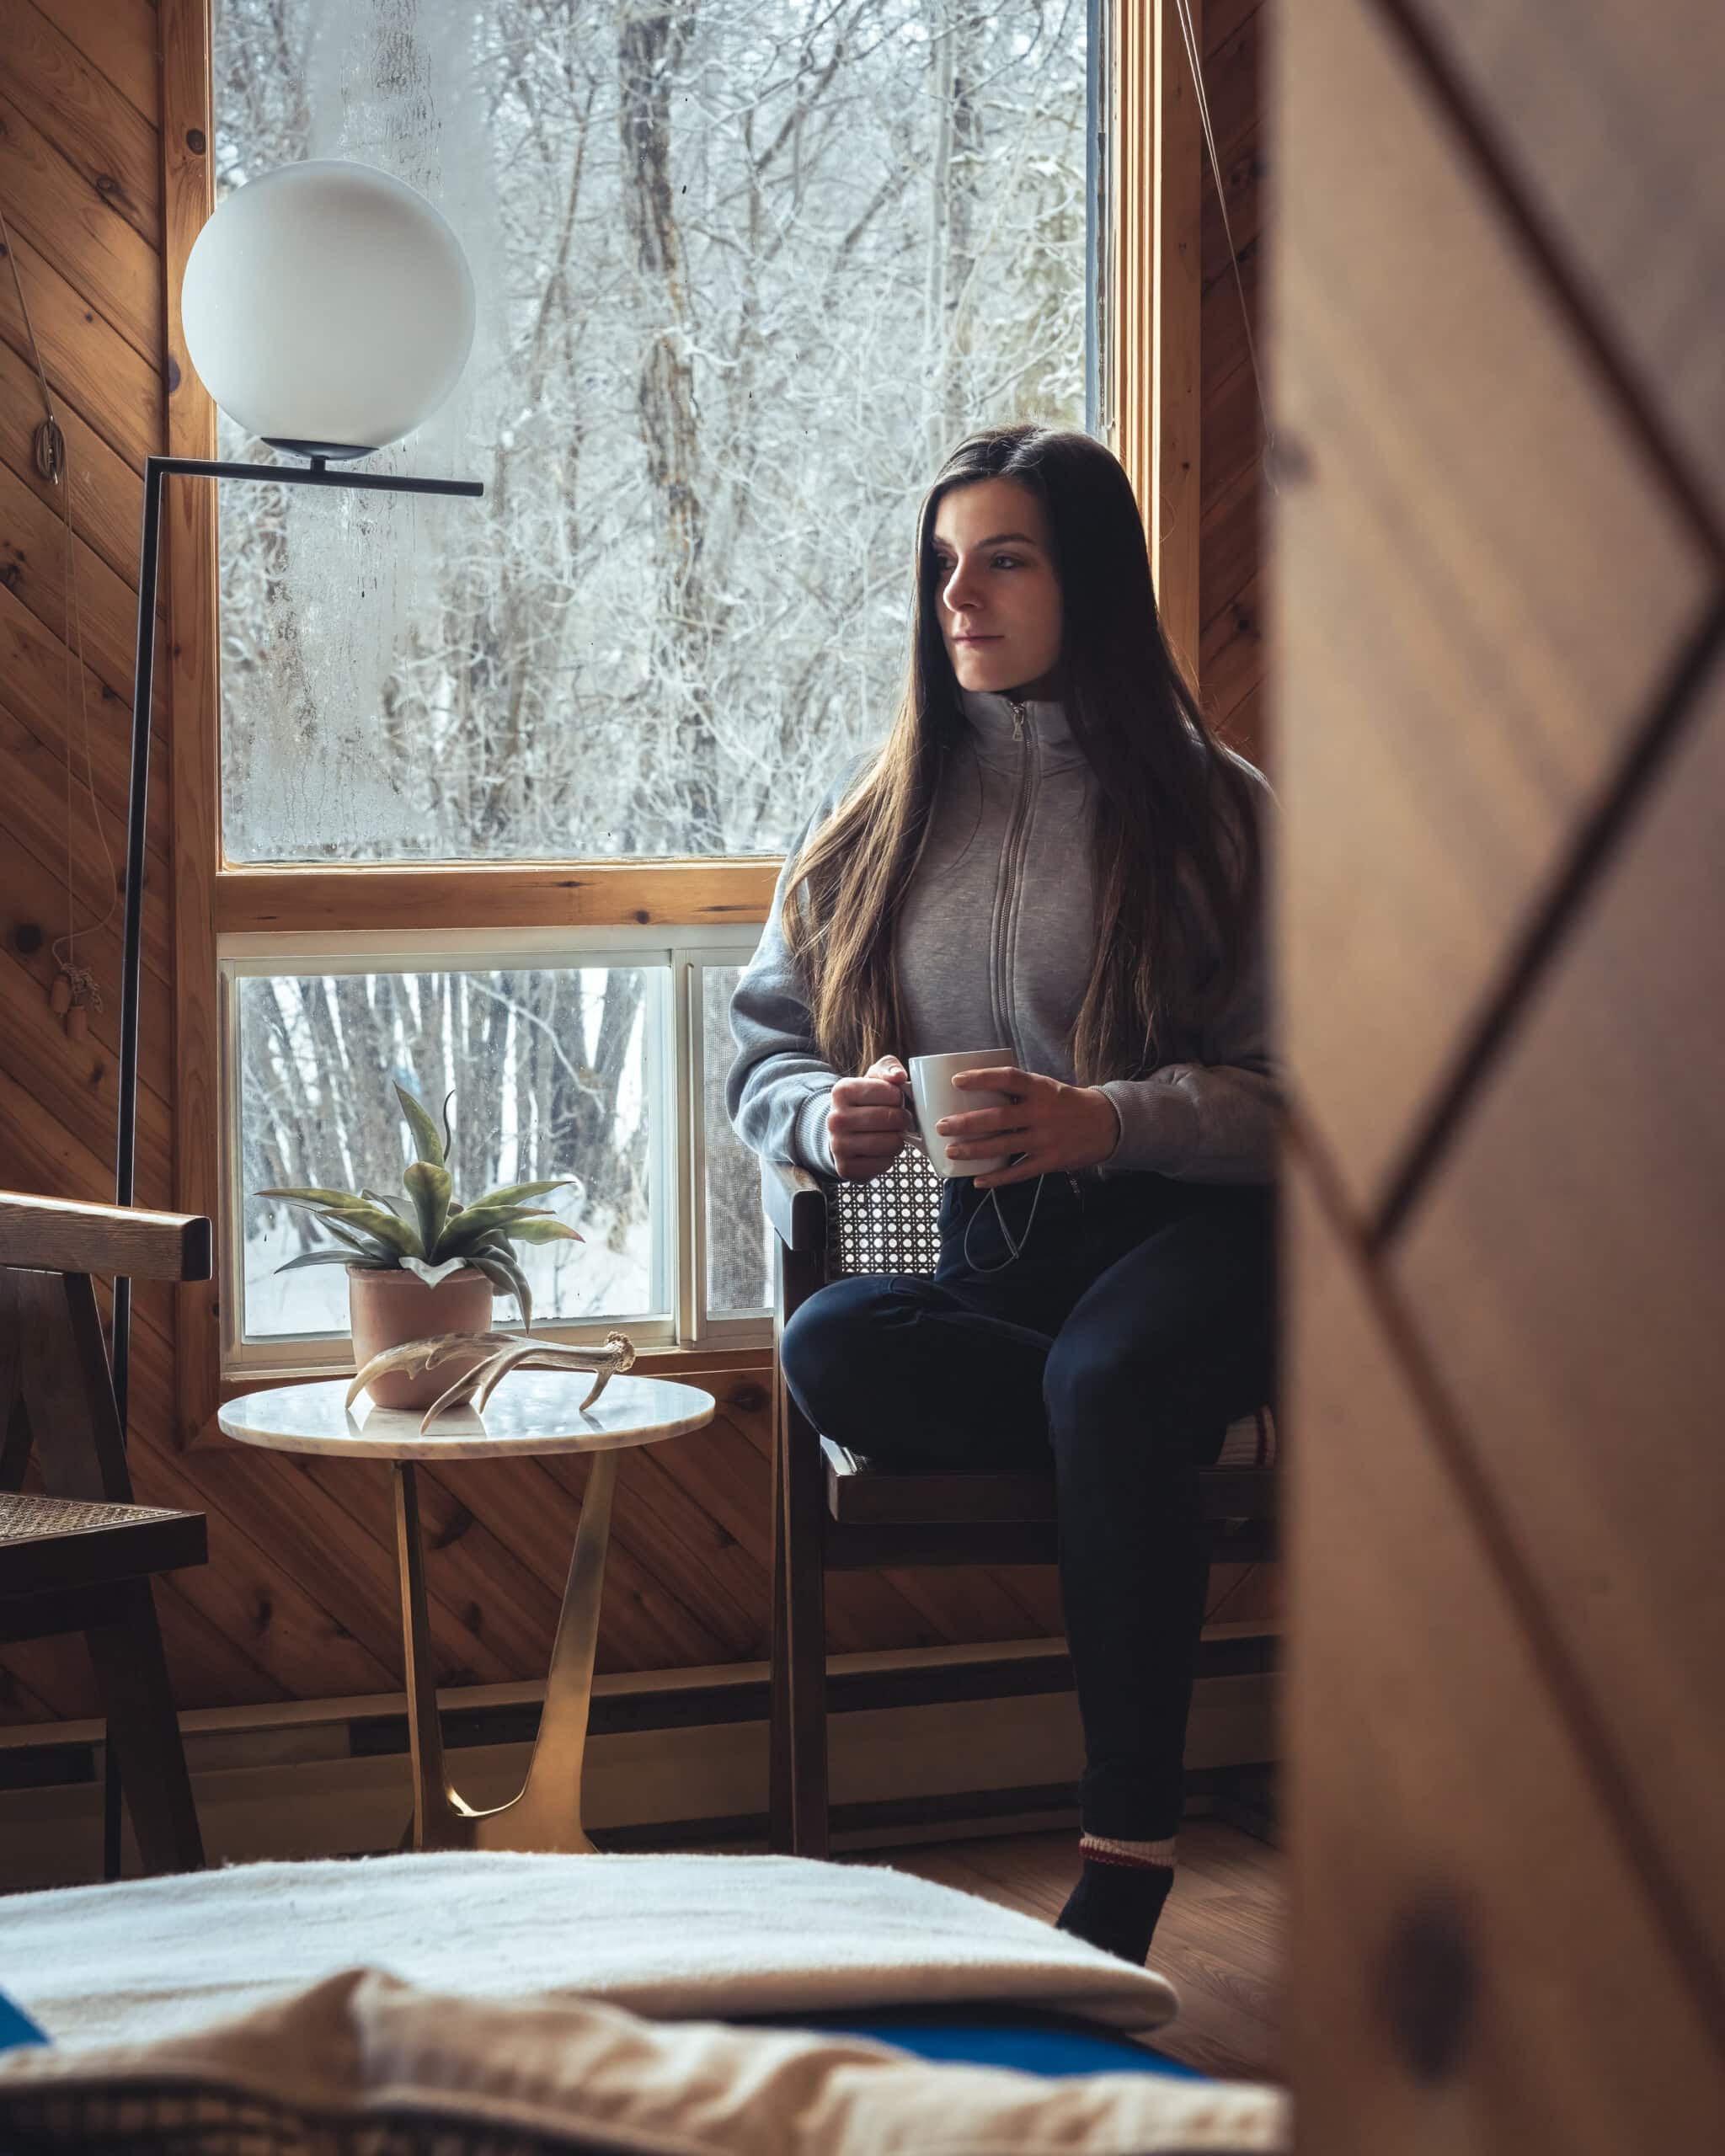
547, 1814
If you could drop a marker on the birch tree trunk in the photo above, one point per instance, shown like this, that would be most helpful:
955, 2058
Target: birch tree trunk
651, 39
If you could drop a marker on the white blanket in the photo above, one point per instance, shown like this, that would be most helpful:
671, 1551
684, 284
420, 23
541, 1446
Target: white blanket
675, 1937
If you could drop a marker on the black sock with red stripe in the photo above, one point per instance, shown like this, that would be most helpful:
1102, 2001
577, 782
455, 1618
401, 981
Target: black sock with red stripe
1119, 1895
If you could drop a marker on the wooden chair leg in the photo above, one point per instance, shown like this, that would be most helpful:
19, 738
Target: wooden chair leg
781, 1812
806, 1620
14, 1441
144, 1732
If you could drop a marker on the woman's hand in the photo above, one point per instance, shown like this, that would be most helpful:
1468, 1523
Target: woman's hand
866, 1122
1054, 1127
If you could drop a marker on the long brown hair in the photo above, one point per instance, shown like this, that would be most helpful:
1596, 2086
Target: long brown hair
1178, 872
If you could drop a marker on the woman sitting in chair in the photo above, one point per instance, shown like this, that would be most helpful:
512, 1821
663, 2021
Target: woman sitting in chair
1054, 853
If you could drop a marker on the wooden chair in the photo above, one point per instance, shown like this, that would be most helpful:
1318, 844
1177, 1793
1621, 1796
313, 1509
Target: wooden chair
79, 1557
832, 1511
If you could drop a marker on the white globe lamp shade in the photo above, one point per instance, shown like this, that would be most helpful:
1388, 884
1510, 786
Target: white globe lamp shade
328, 308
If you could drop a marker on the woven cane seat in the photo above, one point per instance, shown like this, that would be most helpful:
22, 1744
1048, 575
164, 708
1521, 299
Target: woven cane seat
50, 1543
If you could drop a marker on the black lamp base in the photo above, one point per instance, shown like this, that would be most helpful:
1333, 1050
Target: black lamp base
323, 451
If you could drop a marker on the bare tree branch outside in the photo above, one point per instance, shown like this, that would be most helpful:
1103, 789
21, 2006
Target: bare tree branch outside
746, 269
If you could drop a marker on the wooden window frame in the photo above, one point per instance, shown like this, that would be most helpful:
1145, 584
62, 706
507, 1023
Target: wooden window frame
1151, 289
1155, 287
677, 957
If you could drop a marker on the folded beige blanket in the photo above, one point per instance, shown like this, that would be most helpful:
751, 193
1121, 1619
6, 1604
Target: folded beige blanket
671, 1936
362, 2061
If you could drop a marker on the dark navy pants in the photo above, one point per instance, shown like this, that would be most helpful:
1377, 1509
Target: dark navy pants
1138, 1323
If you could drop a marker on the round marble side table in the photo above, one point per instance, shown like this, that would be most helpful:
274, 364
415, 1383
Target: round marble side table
531, 1412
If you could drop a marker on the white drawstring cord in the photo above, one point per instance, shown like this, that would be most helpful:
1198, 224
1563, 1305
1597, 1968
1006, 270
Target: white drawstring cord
1017, 1249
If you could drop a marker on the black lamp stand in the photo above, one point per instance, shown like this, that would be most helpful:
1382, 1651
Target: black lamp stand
156, 469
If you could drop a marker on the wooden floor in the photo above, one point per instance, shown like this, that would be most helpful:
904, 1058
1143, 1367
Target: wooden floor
1218, 1942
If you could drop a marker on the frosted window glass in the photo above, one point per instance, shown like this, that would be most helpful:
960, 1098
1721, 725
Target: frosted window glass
556, 1071
746, 273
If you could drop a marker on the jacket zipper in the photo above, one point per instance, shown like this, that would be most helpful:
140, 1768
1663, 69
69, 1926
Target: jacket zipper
1011, 868
1017, 835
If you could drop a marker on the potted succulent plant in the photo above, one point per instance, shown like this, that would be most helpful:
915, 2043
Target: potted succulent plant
422, 1263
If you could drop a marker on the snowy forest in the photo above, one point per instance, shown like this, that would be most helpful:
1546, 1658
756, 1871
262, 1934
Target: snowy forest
746, 269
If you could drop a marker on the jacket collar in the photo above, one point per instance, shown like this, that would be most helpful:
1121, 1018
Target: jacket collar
994, 722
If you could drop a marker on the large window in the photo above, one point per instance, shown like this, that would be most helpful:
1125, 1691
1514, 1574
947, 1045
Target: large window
746, 269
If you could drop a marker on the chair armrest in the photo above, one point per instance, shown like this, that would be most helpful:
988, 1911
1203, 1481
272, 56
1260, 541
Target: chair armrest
54, 1234
796, 1206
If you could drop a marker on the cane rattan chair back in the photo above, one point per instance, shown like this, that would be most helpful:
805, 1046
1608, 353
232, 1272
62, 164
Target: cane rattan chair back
891, 1224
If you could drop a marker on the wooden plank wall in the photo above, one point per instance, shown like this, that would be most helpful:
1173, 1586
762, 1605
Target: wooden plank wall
80, 186
1500, 549
299, 1599
1234, 35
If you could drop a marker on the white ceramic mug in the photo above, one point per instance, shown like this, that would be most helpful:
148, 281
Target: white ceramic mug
933, 1096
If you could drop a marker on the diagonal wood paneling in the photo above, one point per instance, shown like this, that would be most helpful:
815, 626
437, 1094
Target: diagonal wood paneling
33, 813
40, 1152
118, 39
32, 913
1476, 1966
104, 137
1463, 473
78, 1076
32, 566
1604, 117
105, 488
1232, 540
1233, 659
1587, 1180
1231, 653
36, 688
1230, 40
63, 213
92, 367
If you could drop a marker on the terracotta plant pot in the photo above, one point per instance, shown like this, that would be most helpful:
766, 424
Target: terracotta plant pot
389, 1308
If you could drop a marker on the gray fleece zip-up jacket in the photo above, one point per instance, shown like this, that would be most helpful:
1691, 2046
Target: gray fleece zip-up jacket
994, 947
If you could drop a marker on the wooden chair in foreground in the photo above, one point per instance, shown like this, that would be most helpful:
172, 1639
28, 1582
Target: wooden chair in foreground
832, 1511
80, 1557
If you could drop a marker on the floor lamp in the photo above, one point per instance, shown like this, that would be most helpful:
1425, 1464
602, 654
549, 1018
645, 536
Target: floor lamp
328, 308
